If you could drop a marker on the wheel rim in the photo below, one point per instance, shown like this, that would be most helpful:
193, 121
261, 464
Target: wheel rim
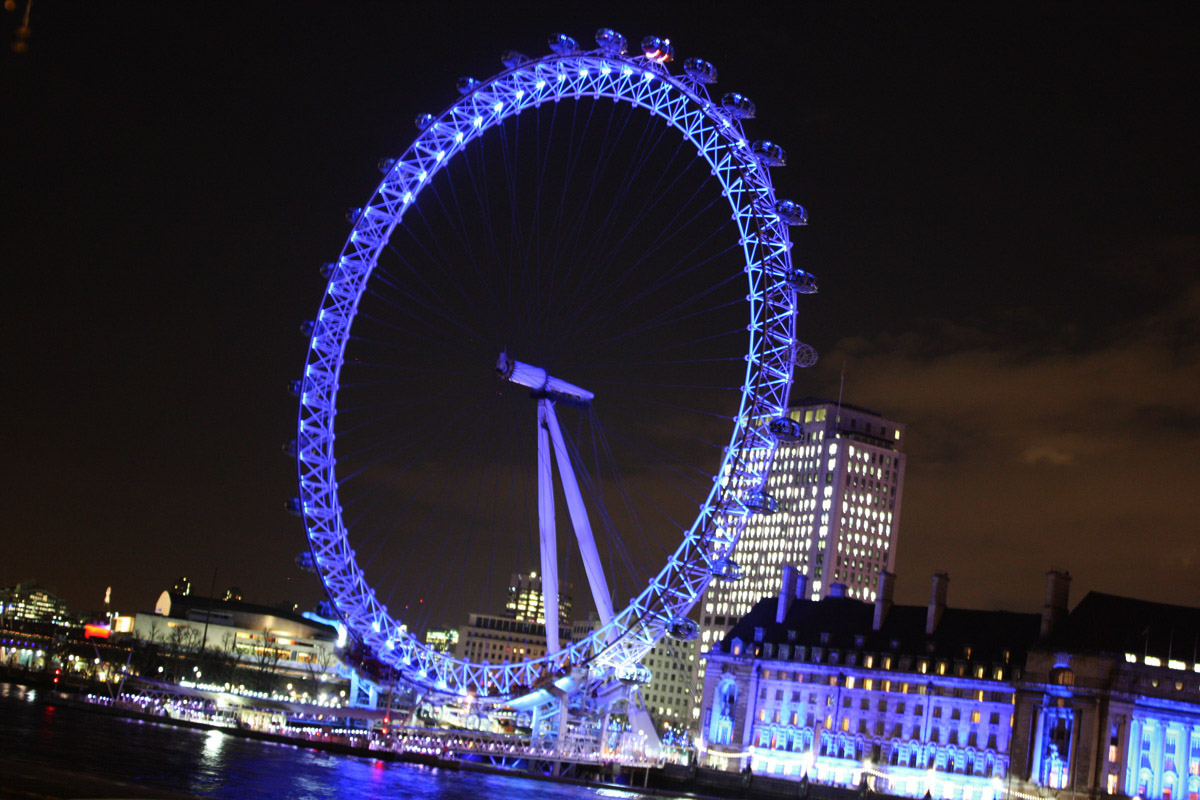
720, 142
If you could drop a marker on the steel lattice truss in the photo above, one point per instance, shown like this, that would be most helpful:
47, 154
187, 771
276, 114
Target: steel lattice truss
683, 104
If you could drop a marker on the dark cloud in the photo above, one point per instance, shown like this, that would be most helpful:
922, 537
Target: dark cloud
1076, 457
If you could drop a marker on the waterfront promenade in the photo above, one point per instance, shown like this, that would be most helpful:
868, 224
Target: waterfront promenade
57, 749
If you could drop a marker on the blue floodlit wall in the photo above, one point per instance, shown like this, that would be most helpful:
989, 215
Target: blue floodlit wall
899, 725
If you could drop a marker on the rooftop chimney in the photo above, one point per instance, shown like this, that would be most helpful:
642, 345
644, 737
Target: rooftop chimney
883, 598
1058, 588
787, 593
937, 601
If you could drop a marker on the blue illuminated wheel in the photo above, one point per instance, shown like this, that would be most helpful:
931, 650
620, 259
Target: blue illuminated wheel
549, 226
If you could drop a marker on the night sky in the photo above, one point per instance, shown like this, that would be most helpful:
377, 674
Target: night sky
1003, 218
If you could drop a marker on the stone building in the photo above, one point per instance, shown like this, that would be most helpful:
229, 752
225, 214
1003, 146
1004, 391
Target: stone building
909, 699
1109, 703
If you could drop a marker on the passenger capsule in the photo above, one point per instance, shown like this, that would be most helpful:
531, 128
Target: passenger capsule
760, 503
611, 42
296, 388
769, 154
726, 569
803, 282
513, 59
683, 629
786, 429
804, 355
306, 561
352, 214
294, 506
791, 212
307, 328
658, 50
385, 165
423, 121
563, 45
290, 448
466, 85
327, 269
634, 674
738, 106
700, 71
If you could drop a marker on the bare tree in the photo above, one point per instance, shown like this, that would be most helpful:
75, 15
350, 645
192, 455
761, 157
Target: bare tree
266, 659
318, 666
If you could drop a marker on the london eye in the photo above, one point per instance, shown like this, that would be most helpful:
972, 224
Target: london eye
555, 339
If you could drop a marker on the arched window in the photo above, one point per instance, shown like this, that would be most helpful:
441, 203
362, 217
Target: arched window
720, 729
1062, 676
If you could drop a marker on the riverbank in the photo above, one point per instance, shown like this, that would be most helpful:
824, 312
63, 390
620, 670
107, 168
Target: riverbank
669, 781
325, 745
648, 785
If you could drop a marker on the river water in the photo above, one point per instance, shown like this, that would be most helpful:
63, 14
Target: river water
217, 765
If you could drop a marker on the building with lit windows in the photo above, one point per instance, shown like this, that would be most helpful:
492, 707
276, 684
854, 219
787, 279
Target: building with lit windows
526, 603
499, 640
29, 602
835, 484
443, 640
908, 699
286, 642
520, 633
1110, 704
672, 687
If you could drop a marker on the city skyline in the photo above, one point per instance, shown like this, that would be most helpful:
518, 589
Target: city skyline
1000, 221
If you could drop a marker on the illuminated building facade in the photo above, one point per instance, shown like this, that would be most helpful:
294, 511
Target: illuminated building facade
526, 604
285, 642
1110, 704
498, 640
670, 692
521, 632
909, 699
836, 484
444, 640
29, 602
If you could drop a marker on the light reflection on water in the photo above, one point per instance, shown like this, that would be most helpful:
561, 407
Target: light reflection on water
214, 764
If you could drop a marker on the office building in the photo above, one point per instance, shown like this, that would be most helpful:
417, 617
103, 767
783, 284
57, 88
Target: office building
836, 484
501, 640
670, 694
28, 602
526, 604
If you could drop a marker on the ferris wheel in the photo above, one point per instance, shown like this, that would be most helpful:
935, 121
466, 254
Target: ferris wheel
578, 267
